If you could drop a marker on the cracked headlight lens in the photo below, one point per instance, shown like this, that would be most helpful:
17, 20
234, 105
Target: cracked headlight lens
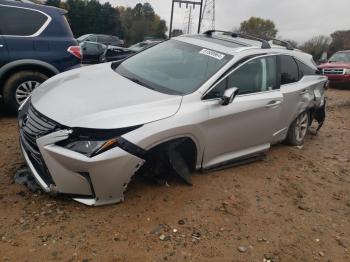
91, 148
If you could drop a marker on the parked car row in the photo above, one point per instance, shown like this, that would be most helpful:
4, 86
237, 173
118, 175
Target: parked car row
101, 39
99, 52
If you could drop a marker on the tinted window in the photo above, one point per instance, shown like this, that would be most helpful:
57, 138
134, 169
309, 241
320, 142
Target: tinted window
19, 21
91, 38
173, 67
258, 75
305, 70
289, 70
103, 39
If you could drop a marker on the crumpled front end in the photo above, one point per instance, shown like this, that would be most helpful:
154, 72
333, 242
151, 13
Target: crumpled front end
97, 180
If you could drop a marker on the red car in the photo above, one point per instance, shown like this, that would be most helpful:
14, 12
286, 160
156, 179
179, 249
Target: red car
338, 68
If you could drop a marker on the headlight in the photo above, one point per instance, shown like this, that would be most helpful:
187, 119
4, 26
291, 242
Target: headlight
91, 142
92, 148
347, 71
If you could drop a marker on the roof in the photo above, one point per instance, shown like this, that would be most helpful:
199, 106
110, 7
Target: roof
28, 4
235, 45
229, 44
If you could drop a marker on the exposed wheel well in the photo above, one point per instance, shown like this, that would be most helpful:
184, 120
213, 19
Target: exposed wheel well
37, 68
184, 145
177, 156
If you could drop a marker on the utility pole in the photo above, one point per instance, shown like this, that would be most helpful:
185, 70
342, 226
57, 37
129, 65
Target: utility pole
200, 17
208, 15
171, 18
187, 3
189, 20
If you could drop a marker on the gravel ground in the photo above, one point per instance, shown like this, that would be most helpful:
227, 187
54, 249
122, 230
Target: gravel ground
292, 206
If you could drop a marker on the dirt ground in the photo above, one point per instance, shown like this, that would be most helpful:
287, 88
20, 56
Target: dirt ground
292, 206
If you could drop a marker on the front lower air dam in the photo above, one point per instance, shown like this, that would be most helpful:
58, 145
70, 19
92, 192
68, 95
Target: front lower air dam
100, 180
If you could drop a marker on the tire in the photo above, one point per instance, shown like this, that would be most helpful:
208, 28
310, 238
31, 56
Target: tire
19, 86
298, 130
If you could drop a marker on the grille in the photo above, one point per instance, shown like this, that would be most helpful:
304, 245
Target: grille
333, 71
34, 126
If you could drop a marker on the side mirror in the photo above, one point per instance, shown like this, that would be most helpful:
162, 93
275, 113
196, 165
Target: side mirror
228, 96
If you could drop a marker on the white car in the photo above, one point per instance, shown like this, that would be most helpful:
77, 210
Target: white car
190, 103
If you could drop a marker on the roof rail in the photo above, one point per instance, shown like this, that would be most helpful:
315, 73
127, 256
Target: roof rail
265, 44
286, 44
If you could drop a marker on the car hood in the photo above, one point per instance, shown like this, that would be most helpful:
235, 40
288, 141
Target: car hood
335, 65
98, 97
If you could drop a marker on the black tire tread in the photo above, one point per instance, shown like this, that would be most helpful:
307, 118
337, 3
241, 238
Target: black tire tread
11, 85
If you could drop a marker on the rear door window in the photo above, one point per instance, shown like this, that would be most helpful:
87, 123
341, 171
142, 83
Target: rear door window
289, 70
21, 22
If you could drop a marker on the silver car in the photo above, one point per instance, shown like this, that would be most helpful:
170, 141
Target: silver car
190, 103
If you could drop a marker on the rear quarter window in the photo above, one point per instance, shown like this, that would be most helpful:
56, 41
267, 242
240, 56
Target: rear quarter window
289, 70
20, 22
305, 70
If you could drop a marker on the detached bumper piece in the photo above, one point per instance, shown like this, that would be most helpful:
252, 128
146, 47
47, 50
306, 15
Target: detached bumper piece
319, 114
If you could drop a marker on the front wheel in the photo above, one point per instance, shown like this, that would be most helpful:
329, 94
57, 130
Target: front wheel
20, 85
298, 130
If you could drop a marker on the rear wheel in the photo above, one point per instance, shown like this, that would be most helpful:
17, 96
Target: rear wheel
298, 130
19, 86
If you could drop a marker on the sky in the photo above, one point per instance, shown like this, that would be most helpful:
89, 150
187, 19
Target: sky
298, 20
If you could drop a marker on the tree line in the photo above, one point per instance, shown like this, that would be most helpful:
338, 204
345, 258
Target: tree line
130, 24
316, 46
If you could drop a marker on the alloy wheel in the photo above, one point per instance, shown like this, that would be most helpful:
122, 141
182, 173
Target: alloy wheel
301, 126
25, 89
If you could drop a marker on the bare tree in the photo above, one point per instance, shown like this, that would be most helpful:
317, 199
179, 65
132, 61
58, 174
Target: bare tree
316, 46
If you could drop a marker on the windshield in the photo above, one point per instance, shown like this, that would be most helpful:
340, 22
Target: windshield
340, 57
173, 67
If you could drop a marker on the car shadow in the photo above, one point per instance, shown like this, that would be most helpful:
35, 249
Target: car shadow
5, 112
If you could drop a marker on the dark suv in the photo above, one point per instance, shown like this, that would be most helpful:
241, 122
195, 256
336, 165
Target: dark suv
36, 43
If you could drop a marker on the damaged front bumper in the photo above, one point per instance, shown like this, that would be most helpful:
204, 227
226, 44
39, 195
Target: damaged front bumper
94, 181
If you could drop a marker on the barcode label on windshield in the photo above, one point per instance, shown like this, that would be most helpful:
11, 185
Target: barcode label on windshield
211, 53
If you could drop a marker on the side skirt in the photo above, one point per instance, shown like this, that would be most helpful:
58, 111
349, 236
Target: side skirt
235, 162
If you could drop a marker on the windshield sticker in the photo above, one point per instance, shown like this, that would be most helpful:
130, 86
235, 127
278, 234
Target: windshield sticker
211, 53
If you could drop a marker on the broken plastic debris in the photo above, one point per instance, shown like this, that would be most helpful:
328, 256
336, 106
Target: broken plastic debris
179, 165
24, 177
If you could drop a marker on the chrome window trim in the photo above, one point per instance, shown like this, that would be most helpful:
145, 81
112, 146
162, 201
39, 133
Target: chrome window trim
40, 30
232, 71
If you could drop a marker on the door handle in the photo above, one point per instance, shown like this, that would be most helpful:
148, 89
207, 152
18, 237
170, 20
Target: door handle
274, 103
304, 91
1, 45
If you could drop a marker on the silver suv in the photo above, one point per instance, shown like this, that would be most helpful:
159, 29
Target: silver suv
190, 103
